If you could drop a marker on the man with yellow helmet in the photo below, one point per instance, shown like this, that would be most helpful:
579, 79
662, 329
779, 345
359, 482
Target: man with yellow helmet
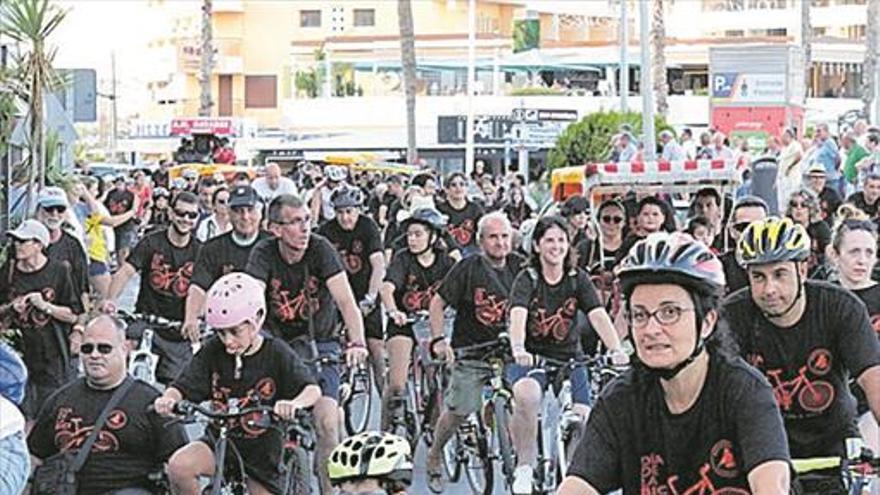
807, 337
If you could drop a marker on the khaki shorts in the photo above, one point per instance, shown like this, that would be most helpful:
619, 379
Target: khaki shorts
466, 384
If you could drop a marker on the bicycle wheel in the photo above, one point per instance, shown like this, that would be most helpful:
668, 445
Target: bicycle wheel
502, 434
411, 417
298, 474
359, 401
452, 458
478, 465
817, 397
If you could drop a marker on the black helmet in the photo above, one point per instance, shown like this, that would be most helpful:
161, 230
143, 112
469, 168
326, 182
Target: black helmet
574, 205
426, 216
772, 240
347, 197
672, 258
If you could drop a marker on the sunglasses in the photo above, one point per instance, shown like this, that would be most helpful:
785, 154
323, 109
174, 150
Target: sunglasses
611, 219
192, 215
87, 349
739, 227
798, 204
222, 201
19, 242
54, 209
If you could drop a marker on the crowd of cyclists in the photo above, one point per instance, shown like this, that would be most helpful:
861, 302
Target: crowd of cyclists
749, 341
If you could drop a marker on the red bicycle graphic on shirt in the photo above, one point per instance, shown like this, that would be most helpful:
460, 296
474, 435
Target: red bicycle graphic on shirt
556, 325
812, 395
705, 486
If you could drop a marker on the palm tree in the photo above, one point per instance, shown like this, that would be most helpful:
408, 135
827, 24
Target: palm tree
207, 60
408, 64
658, 65
30, 23
806, 40
869, 69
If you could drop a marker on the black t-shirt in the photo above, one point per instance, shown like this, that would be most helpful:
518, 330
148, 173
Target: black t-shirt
165, 271
69, 251
462, 224
871, 298
119, 202
552, 311
355, 248
414, 284
820, 237
632, 440
293, 301
808, 364
38, 330
586, 252
132, 444
271, 374
222, 255
734, 274
479, 293
858, 199
518, 213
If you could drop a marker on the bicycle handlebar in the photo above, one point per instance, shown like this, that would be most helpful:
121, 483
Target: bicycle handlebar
131, 317
866, 464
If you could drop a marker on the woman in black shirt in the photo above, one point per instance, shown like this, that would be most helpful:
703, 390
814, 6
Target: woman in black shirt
690, 417
803, 208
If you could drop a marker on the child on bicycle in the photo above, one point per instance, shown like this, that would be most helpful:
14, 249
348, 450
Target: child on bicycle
239, 367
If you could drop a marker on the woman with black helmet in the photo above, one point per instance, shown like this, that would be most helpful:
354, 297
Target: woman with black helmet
410, 281
690, 417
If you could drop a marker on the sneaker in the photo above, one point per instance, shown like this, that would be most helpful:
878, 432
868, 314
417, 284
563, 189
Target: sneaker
435, 474
522, 480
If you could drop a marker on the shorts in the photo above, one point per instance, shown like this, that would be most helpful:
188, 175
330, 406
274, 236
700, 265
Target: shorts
261, 457
174, 356
373, 324
15, 463
328, 376
98, 268
465, 392
580, 380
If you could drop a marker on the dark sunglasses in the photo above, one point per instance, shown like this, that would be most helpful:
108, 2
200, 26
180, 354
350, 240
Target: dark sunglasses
90, 348
54, 209
739, 227
456, 184
18, 242
611, 219
192, 215
798, 204
222, 201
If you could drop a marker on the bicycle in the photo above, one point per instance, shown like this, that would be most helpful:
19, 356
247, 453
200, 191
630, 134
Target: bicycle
471, 447
142, 361
356, 397
558, 423
858, 472
297, 479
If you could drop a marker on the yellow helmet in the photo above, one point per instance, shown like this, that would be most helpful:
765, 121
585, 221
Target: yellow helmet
772, 240
371, 455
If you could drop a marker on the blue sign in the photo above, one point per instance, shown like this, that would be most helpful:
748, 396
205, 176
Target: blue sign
723, 83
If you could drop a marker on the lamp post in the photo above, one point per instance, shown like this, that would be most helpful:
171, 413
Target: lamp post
469, 125
624, 61
646, 86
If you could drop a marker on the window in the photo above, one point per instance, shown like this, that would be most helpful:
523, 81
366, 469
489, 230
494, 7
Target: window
856, 32
820, 31
309, 18
260, 92
734, 33
777, 32
364, 17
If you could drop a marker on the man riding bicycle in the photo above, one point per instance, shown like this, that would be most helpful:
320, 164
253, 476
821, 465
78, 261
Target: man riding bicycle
478, 288
807, 337
305, 285
358, 242
239, 367
371, 463
544, 303
691, 416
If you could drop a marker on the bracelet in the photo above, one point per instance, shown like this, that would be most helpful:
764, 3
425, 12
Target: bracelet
517, 347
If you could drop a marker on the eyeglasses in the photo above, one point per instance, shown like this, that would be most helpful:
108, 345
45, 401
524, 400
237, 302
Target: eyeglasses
54, 209
222, 201
798, 204
90, 348
665, 315
192, 215
296, 221
456, 183
19, 242
611, 219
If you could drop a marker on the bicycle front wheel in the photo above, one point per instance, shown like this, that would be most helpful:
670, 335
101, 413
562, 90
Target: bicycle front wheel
502, 434
479, 468
359, 402
298, 473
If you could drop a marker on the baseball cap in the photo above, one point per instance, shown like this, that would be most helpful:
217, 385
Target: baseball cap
31, 230
243, 196
52, 196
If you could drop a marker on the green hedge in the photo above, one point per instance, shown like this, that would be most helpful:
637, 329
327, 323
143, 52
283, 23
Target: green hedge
589, 140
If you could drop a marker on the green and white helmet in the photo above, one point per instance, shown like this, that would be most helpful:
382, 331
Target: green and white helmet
368, 455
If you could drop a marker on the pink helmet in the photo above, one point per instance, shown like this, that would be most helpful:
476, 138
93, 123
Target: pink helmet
233, 299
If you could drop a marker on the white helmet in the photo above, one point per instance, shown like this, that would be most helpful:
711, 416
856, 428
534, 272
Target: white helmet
336, 173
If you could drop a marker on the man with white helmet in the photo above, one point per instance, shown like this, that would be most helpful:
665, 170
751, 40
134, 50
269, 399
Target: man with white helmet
239, 363
319, 201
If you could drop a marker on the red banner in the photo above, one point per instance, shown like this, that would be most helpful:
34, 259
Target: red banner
185, 127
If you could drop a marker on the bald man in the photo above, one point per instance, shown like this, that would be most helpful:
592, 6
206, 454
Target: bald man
273, 184
133, 442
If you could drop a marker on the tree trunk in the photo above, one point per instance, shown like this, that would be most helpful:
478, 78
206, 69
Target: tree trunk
869, 69
36, 171
207, 61
806, 44
408, 63
658, 66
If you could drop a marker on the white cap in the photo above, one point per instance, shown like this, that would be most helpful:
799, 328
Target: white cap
52, 196
31, 230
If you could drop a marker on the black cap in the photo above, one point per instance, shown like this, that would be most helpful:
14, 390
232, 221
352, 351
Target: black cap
243, 196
